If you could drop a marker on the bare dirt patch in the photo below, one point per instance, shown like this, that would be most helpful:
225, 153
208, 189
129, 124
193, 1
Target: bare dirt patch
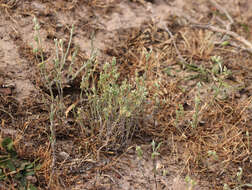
198, 81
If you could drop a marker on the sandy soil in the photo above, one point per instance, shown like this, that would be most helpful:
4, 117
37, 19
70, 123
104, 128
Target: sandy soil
116, 28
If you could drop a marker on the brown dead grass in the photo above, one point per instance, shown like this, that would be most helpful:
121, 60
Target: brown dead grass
223, 123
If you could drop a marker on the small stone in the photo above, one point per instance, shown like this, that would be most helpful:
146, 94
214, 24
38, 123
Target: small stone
31, 179
64, 155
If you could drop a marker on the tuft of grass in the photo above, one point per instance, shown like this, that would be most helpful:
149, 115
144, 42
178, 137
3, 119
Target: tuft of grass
190, 182
195, 119
240, 185
54, 79
155, 148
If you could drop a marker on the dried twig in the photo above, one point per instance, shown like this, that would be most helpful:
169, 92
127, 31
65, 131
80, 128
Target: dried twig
220, 8
230, 33
181, 59
194, 23
7, 113
228, 26
53, 142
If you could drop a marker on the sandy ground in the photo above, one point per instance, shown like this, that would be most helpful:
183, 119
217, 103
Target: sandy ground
113, 26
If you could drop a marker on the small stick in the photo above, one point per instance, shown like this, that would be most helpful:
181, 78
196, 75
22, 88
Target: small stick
220, 8
174, 44
231, 21
193, 23
230, 33
7, 113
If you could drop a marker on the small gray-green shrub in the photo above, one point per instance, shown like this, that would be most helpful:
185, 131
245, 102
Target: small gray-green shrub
108, 110
114, 109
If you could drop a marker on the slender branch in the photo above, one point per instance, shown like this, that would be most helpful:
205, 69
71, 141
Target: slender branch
194, 23
7, 113
220, 8
230, 33
181, 59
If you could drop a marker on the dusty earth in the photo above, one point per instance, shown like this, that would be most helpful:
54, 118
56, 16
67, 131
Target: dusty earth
125, 29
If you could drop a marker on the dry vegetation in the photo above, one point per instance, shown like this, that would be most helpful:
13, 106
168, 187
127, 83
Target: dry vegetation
168, 100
